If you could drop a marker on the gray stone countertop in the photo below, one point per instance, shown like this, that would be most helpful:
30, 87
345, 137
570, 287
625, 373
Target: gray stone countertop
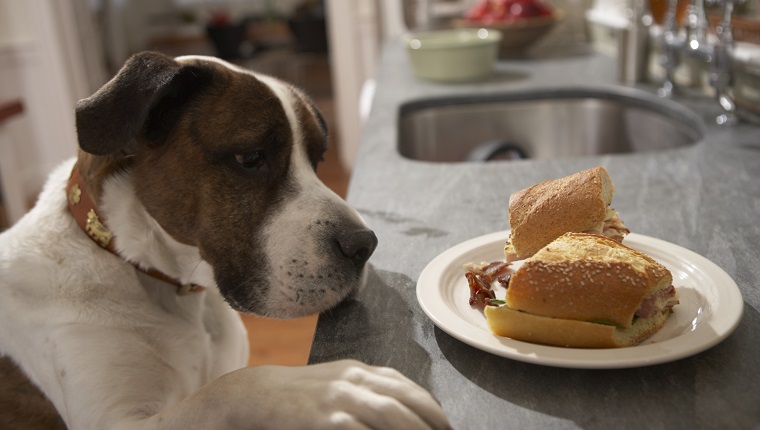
705, 198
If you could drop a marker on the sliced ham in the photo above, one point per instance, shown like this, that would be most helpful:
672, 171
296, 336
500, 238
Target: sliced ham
658, 302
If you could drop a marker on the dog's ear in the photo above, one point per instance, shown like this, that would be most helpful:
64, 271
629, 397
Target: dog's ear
108, 120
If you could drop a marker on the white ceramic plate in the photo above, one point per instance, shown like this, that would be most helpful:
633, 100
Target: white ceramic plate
710, 309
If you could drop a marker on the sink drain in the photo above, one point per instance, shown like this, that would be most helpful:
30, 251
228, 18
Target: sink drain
497, 150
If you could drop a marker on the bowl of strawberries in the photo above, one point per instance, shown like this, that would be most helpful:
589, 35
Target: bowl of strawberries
521, 22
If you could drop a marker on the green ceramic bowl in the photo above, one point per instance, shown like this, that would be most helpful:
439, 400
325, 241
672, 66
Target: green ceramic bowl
455, 55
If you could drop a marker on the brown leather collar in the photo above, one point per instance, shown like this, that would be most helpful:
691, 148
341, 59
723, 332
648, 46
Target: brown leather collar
84, 211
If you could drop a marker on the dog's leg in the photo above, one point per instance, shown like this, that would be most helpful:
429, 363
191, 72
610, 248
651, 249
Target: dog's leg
338, 395
112, 378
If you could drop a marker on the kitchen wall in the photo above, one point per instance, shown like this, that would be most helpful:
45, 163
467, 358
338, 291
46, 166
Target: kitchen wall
130, 24
355, 33
41, 64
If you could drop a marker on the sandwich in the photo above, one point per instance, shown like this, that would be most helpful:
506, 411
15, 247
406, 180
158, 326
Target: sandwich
585, 291
577, 203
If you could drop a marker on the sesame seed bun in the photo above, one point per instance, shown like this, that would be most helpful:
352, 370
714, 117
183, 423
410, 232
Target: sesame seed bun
581, 290
543, 212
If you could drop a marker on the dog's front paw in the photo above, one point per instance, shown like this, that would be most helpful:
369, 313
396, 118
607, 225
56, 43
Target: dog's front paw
347, 394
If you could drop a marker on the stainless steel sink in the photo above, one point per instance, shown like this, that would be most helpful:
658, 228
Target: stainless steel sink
541, 124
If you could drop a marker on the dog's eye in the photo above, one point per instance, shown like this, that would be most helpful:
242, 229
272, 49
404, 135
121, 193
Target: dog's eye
250, 160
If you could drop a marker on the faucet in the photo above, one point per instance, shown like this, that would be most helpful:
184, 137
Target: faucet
695, 44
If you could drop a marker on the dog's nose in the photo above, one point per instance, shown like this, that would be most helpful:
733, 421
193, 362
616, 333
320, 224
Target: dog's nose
357, 245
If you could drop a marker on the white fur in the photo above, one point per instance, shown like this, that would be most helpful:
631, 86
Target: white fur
115, 349
141, 239
286, 232
89, 318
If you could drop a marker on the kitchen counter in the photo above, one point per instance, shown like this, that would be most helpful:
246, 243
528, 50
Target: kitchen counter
705, 198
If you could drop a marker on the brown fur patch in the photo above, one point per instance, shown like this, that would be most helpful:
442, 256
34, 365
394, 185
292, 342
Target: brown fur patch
191, 184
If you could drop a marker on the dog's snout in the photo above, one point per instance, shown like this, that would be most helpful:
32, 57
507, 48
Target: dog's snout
357, 245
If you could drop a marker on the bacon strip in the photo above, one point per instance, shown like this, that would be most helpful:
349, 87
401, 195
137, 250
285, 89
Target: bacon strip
489, 271
480, 290
479, 278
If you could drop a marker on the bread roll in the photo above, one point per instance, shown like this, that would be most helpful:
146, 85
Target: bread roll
585, 290
575, 203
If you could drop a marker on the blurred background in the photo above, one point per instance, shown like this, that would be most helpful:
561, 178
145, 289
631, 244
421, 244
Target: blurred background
55, 52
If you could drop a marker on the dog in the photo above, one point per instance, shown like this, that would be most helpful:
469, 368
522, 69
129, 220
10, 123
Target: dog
194, 196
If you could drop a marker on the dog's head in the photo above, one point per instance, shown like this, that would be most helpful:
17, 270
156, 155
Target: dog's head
225, 160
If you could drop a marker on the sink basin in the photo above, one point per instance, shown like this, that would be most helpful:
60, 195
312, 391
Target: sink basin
543, 124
